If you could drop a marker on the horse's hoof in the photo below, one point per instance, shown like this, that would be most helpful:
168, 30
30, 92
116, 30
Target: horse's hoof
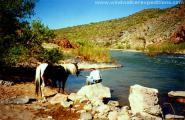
43, 100
65, 93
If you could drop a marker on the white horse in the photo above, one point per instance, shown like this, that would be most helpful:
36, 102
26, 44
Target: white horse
46, 72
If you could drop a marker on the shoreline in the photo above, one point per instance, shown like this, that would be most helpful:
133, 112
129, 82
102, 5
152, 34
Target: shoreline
147, 52
78, 104
127, 50
87, 65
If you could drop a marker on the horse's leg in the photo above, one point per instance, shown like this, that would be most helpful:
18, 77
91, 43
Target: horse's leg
63, 86
59, 83
42, 91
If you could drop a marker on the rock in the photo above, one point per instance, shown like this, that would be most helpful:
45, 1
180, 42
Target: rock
117, 109
50, 117
101, 115
58, 98
172, 117
113, 103
6, 83
123, 117
176, 94
87, 107
76, 106
97, 102
124, 114
144, 100
136, 118
37, 107
113, 115
178, 36
17, 100
124, 110
86, 116
102, 109
73, 96
1, 82
21, 100
81, 111
95, 91
63, 42
66, 103
146, 116
87, 65
82, 99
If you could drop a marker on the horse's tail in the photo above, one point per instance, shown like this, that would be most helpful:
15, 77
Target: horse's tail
38, 81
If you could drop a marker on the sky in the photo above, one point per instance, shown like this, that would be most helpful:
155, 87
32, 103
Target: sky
65, 13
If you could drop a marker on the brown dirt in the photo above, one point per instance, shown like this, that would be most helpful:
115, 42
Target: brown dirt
179, 35
33, 110
64, 43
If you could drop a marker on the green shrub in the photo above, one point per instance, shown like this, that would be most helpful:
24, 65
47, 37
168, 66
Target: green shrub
120, 46
166, 47
40, 32
16, 54
27, 45
93, 53
51, 55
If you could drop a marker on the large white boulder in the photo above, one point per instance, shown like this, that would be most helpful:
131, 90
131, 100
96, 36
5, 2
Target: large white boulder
95, 91
176, 94
144, 100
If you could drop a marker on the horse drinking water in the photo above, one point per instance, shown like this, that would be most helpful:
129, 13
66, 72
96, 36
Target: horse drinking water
46, 72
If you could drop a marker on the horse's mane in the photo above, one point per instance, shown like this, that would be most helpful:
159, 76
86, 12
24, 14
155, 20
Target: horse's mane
71, 68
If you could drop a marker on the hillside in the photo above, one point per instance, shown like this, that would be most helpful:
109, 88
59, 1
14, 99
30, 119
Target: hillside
154, 30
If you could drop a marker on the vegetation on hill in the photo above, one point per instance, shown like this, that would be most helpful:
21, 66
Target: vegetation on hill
144, 30
106, 30
21, 42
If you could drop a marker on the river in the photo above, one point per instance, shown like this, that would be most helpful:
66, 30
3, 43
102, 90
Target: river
163, 72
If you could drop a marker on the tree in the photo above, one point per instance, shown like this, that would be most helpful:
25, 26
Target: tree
29, 46
20, 41
13, 20
13, 16
40, 32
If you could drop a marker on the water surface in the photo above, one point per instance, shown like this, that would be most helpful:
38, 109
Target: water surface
164, 72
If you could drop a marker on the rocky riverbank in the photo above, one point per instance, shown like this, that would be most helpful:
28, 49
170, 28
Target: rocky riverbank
91, 102
18, 102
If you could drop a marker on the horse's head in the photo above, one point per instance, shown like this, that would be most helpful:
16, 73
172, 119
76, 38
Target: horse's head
77, 70
72, 68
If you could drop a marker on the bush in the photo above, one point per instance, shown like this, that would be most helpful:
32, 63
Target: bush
166, 47
16, 54
40, 32
93, 53
51, 55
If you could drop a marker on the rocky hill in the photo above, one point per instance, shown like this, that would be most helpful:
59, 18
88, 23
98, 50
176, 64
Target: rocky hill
153, 30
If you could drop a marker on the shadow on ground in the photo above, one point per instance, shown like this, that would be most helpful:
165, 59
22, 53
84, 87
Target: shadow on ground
17, 74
